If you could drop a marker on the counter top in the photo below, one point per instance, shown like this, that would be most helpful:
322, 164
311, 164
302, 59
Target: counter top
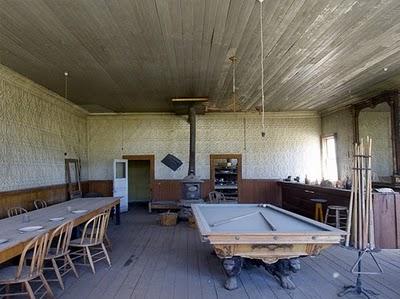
318, 187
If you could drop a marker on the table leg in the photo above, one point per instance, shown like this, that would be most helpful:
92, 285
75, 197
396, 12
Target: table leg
117, 214
281, 270
232, 267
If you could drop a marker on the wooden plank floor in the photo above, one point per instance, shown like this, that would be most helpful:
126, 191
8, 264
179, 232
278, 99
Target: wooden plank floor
151, 261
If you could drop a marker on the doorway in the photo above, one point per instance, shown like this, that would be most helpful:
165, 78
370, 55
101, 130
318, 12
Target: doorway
138, 181
140, 178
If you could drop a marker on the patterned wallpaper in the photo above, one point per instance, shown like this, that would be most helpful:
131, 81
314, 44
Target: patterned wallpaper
341, 123
292, 145
36, 128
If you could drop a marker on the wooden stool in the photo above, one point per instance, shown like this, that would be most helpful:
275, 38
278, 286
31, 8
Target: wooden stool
340, 214
319, 213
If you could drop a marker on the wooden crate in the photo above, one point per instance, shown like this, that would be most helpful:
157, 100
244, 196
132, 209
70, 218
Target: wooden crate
192, 221
168, 218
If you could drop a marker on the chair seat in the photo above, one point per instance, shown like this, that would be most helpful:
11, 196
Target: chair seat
51, 254
7, 274
340, 208
318, 200
86, 242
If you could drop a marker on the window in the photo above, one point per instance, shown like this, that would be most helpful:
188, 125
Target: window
329, 161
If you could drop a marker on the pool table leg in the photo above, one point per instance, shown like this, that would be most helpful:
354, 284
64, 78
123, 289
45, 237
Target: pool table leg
232, 267
281, 270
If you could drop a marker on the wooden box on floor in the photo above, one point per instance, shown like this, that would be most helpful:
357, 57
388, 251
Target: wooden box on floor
192, 221
168, 218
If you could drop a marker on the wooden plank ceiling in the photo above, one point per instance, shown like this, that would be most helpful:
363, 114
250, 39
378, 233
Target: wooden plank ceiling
135, 55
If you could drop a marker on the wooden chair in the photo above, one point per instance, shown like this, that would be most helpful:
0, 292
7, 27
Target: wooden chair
61, 238
23, 274
75, 194
92, 239
216, 197
16, 211
107, 240
40, 204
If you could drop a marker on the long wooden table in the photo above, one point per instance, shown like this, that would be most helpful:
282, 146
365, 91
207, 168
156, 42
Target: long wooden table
17, 240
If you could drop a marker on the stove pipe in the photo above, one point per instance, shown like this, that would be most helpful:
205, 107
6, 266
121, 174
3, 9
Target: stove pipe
192, 148
191, 183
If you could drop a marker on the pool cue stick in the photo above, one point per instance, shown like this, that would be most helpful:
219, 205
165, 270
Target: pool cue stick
368, 197
349, 215
363, 193
362, 170
273, 227
367, 192
369, 203
233, 219
359, 170
365, 224
355, 213
371, 210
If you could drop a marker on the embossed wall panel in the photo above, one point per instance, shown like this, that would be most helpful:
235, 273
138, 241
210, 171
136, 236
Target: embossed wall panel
36, 128
292, 145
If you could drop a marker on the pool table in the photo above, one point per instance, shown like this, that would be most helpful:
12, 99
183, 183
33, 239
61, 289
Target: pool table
261, 234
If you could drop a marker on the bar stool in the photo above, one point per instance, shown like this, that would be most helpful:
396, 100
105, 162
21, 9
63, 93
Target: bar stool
319, 213
340, 214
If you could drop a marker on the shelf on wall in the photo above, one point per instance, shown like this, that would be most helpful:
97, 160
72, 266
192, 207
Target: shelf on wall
226, 187
226, 174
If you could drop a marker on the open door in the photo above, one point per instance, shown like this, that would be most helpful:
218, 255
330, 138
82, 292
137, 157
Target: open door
121, 182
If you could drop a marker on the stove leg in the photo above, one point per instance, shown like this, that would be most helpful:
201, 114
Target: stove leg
232, 267
281, 270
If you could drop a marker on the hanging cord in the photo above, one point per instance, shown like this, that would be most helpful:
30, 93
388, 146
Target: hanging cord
233, 60
66, 85
262, 70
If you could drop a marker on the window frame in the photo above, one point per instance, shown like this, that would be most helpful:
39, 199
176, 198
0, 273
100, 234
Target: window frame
323, 159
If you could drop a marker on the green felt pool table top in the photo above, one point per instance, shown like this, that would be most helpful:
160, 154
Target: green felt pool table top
255, 219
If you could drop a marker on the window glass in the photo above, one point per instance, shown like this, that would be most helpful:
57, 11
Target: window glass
120, 170
329, 161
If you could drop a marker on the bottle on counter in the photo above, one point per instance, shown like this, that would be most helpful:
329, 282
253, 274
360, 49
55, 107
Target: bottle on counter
306, 180
348, 183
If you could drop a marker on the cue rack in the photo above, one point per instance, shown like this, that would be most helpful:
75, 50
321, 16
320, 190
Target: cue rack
360, 220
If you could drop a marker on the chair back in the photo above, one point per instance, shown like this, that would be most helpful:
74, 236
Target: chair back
75, 194
108, 212
16, 211
216, 197
94, 229
39, 247
61, 238
40, 204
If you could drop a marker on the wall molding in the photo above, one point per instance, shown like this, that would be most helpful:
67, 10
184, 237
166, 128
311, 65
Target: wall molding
271, 114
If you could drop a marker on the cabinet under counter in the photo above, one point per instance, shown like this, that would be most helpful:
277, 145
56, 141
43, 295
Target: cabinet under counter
296, 197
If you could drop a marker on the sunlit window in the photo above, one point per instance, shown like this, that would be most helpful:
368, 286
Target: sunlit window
329, 161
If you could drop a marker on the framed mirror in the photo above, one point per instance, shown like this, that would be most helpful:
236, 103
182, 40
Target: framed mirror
379, 118
72, 174
375, 122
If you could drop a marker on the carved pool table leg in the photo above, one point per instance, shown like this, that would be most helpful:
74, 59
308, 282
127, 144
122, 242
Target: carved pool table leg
232, 267
281, 270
